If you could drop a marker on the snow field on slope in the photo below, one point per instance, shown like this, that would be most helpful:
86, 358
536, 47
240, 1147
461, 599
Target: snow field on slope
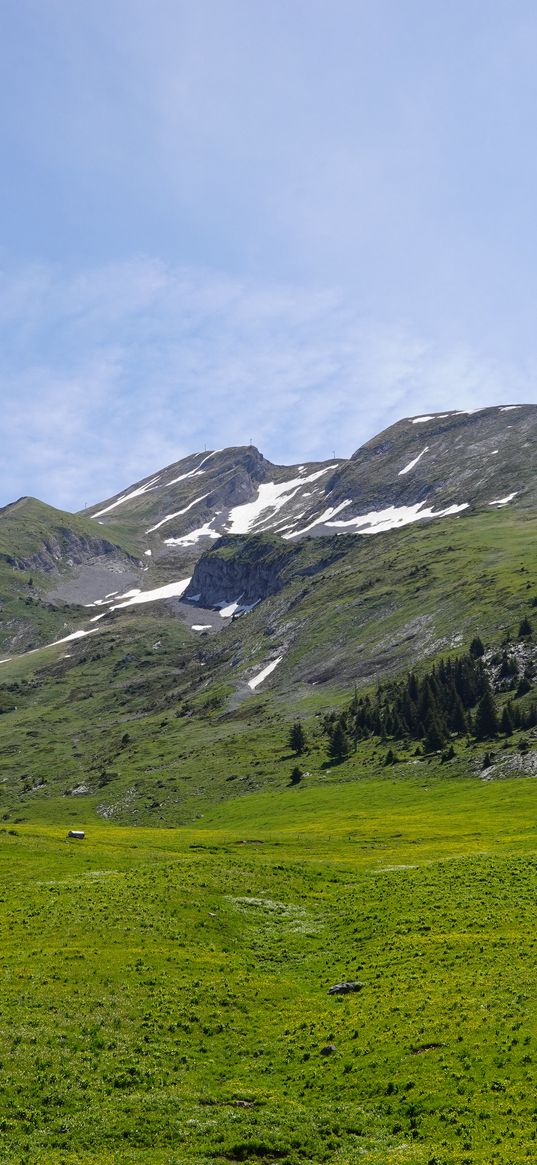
377, 522
271, 496
170, 591
262, 675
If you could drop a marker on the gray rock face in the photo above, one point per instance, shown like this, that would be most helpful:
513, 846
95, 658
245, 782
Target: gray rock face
63, 547
240, 568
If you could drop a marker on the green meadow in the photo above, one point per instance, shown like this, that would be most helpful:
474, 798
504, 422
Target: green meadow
164, 992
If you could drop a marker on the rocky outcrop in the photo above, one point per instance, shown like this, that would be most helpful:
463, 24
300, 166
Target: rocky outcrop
64, 547
249, 568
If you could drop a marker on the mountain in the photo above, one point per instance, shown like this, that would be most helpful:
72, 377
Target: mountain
145, 543
420, 467
172, 629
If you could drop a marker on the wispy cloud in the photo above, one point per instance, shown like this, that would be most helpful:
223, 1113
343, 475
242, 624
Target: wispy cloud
110, 373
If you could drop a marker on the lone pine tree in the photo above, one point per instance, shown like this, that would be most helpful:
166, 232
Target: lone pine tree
297, 738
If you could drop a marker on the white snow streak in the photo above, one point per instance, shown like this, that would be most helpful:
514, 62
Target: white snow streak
504, 501
411, 464
192, 472
329, 513
201, 627
253, 683
509, 409
135, 493
67, 638
183, 477
177, 514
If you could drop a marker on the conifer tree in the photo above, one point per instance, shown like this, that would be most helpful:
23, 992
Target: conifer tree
531, 717
506, 722
486, 720
525, 628
339, 746
435, 735
297, 738
476, 647
457, 718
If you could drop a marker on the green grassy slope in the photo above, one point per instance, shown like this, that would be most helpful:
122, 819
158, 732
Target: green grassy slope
37, 547
165, 993
152, 723
26, 525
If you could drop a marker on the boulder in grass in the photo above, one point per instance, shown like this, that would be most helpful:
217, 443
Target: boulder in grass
345, 988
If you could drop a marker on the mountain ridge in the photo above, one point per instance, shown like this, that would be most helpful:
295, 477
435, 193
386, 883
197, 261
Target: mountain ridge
154, 541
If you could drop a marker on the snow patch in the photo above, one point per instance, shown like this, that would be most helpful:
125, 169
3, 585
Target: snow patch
258, 679
67, 638
135, 493
508, 409
193, 472
229, 610
183, 477
395, 516
329, 513
177, 514
106, 602
148, 553
270, 496
190, 539
504, 501
168, 591
411, 464
201, 627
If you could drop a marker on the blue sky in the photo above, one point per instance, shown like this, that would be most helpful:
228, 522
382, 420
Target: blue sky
291, 221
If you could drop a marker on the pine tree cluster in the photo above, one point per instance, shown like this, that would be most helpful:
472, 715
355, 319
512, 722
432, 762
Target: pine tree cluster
454, 699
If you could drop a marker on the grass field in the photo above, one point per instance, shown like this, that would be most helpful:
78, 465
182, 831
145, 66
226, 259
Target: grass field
165, 992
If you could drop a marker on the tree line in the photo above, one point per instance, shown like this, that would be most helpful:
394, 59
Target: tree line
454, 698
